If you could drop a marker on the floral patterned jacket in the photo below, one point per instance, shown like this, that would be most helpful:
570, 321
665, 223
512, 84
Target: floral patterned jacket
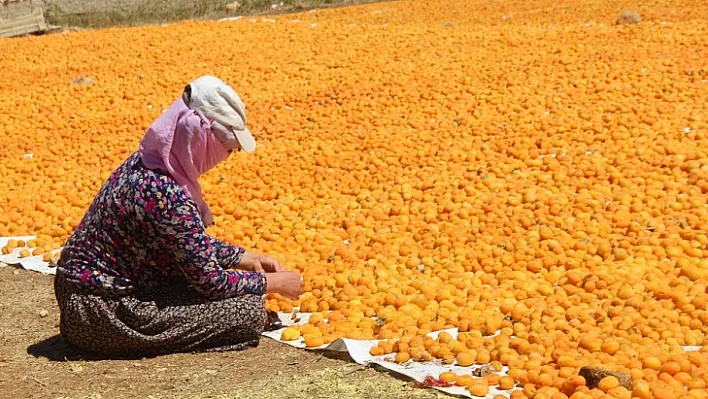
142, 230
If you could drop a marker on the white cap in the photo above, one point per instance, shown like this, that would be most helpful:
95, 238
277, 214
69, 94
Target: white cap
217, 101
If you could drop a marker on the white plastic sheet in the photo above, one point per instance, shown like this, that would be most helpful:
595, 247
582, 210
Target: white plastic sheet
359, 352
34, 263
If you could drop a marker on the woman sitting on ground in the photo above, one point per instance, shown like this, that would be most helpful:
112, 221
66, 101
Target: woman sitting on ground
140, 276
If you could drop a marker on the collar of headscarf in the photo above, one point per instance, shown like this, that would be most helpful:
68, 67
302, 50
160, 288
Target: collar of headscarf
181, 143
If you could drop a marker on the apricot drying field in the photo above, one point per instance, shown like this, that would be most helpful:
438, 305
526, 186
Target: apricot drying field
526, 168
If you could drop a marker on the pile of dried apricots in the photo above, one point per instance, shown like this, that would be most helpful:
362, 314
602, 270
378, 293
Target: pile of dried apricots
526, 171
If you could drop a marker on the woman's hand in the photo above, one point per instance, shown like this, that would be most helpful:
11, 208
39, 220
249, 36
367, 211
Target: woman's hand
279, 281
259, 263
287, 284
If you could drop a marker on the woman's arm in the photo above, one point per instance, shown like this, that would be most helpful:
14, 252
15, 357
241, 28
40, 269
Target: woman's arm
229, 256
198, 257
233, 256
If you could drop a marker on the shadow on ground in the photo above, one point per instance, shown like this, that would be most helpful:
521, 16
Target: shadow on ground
55, 349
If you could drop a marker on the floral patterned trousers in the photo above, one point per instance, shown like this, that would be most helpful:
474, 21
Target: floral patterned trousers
167, 320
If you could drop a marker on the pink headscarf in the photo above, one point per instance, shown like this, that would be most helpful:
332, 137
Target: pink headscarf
180, 142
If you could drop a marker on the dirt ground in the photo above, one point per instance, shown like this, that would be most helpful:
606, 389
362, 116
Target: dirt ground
21, 7
36, 363
107, 13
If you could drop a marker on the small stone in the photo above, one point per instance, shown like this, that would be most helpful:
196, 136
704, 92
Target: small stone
483, 371
593, 376
43, 313
76, 368
82, 80
627, 17
233, 7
